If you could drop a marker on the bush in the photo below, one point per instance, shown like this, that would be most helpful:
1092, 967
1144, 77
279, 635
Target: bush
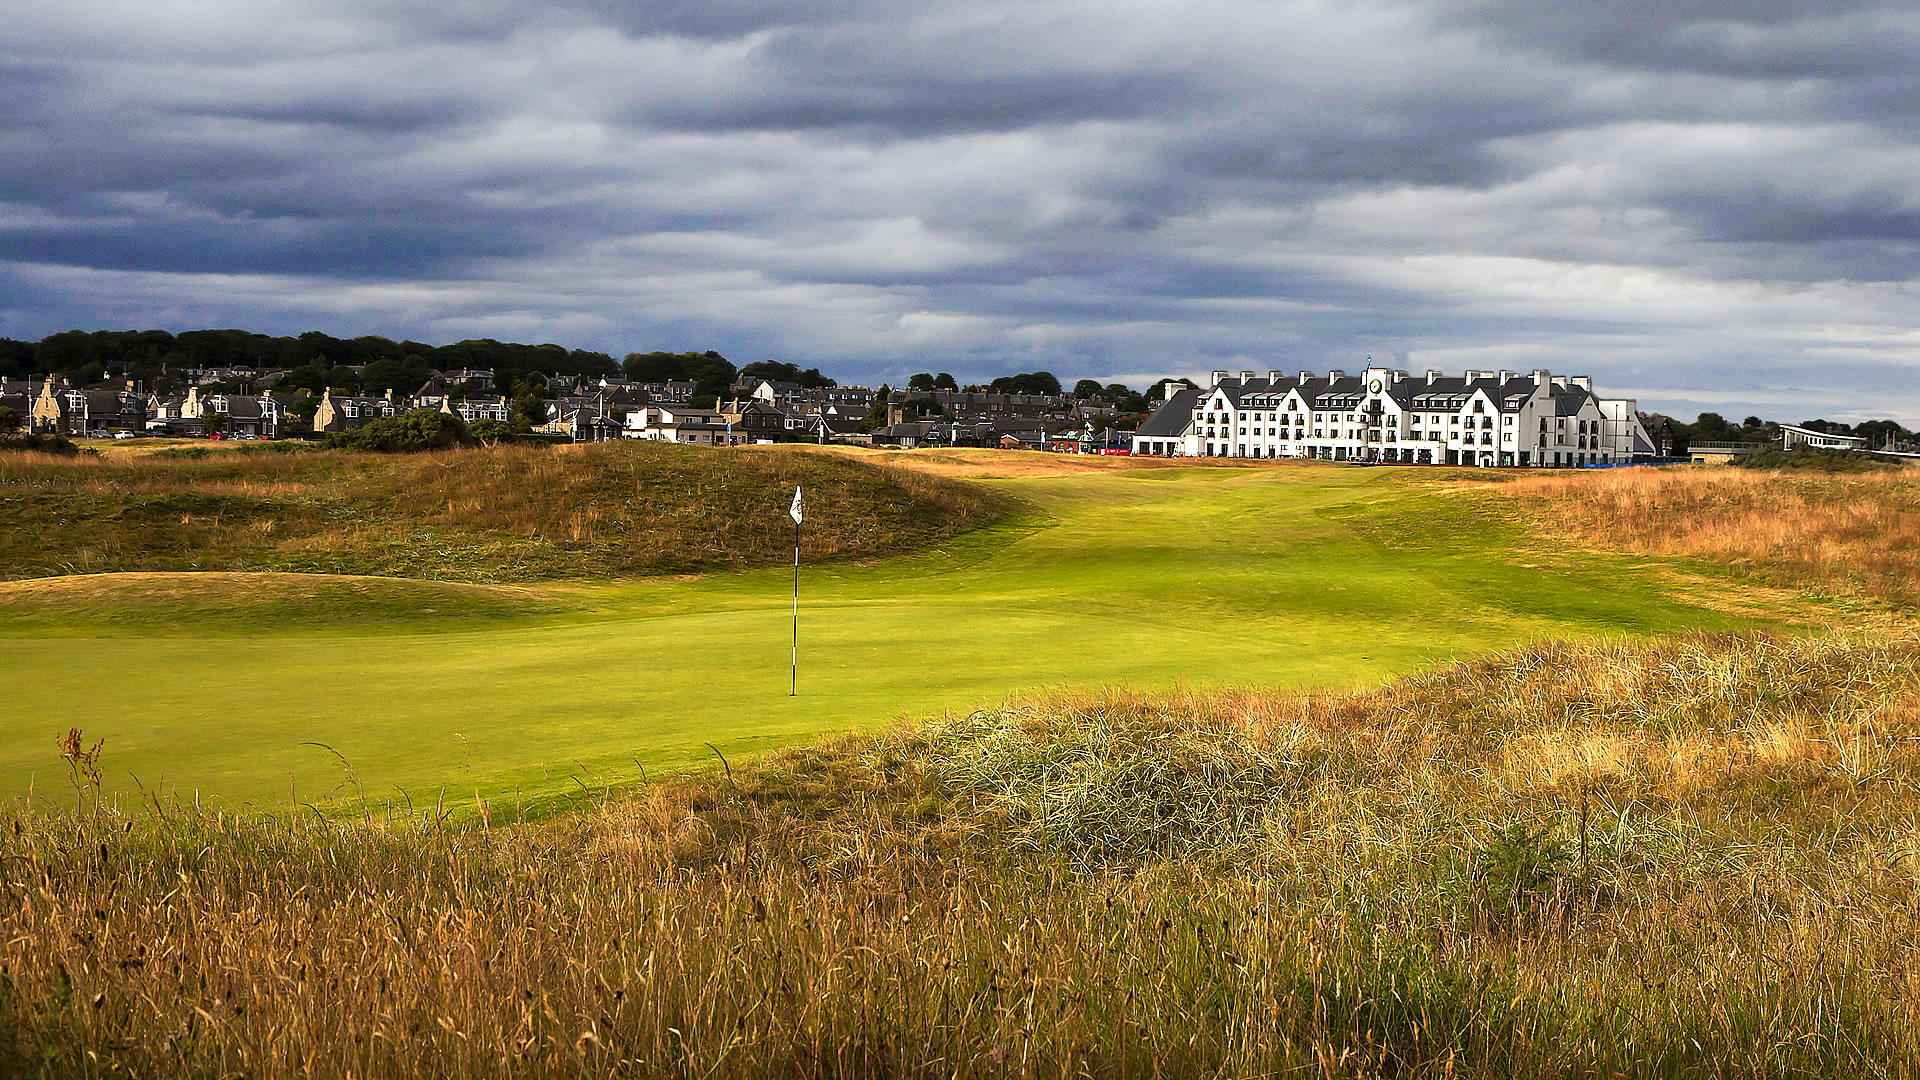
421, 429
42, 444
1808, 459
492, 431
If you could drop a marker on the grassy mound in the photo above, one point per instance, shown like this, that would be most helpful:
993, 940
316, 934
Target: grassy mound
1688, 856
1836, 533
505, 513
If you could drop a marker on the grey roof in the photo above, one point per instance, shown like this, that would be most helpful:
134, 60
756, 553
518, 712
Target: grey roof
1569, 400
840, 425
1171, 419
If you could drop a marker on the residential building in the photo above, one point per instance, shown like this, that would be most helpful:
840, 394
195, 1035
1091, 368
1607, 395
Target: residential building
66, 410
346, 413
1482, 418
644, 393
17, 395
680, 424
582, 424
757, 420
909, 405
1792, 435
484, 409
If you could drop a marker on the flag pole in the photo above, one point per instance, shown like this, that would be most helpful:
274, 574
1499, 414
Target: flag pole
793, 685
793, 688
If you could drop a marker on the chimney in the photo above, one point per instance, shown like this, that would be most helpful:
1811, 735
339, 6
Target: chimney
1219, 377
1397, 376
1246, 376
1275, 376
1336, 374
1541, 376
1432, 376
1584, 382
1305, 375
1506, 376
1560, 381
389, 394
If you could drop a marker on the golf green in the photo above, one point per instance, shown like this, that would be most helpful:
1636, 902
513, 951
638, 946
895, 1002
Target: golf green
1140, 578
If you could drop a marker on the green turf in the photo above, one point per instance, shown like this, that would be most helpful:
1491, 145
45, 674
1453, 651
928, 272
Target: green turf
1303, 576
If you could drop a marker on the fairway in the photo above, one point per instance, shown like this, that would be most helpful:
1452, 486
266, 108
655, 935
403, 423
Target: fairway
1135, 577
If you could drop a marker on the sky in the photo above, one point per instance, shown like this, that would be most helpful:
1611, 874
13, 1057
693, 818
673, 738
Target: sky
1702, 205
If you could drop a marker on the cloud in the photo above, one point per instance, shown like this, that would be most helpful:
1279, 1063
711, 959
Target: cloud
1681, 198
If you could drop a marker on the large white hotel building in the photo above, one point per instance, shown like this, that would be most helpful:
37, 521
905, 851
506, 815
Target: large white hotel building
1484, 418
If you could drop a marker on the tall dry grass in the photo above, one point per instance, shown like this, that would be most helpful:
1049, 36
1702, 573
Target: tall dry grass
1688, 857
1846, 533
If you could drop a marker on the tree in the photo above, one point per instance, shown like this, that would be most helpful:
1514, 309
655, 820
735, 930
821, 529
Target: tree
1027, 382
1712, 427
1878, 432
1166, 388
9, 420
402, 376
944, 381
710, 373
876, 417
922, 381
421, 429
781, 372
491, 431
16, 359
529, 412
1086, 388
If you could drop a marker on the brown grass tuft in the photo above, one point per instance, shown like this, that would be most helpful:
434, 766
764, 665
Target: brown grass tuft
1848, 534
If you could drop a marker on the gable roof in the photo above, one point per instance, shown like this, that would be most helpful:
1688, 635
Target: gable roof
1171, 419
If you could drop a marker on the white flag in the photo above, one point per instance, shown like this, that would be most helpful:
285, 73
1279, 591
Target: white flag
794, 510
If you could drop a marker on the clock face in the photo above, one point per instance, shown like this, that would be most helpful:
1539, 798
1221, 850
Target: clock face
1376, 386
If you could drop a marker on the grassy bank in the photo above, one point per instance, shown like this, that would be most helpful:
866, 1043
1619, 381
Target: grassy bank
498, 514
1831, 532
1693, 856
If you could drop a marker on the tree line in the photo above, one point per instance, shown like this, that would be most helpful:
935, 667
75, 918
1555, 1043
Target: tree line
1711, 427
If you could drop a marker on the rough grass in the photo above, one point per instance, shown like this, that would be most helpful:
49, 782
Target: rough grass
216, 601
1688, 857
507, 513
1850, 534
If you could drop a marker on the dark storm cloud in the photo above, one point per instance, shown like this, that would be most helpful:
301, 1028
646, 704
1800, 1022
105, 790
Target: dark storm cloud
1673, 196
1769, 39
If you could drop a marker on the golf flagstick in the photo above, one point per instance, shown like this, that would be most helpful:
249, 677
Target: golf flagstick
793, 511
